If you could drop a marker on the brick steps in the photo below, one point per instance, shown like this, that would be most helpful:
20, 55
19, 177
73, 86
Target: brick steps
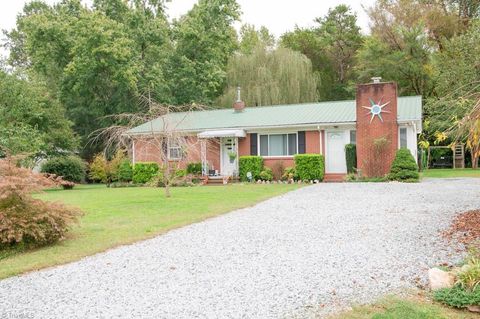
334, 178
218, 180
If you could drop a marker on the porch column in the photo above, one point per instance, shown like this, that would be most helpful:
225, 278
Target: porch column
203, 156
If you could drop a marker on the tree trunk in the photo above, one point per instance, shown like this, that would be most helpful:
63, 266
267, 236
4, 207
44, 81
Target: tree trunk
166, 178
474, 159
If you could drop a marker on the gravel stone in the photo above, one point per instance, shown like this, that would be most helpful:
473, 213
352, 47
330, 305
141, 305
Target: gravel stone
304, 254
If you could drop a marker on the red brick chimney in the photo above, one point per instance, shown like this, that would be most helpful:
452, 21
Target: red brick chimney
238, 105
377, 127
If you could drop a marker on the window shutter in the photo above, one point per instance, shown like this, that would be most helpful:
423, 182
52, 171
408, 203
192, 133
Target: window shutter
253, 144
301, 142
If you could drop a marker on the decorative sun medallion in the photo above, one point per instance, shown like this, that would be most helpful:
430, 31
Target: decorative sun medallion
376, 109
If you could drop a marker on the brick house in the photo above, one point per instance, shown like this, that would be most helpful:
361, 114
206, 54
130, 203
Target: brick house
378, 122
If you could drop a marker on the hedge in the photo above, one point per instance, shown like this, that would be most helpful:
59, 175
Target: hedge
253, 164
71, 168
351, 157
309, 167
144, 172
404, 167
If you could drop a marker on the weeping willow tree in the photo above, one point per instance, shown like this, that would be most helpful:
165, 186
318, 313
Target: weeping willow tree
281, 76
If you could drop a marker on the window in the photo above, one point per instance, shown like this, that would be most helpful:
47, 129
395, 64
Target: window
174, 150
353, 137
403, 137
278, 144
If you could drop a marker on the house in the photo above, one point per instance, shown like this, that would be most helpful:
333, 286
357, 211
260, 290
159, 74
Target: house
378, 122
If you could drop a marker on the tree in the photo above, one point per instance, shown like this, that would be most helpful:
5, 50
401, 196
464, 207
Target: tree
332, 47
250, 39
156, 138
266, 77
458, 97
205, 40
409, 63
340, 33
32, 121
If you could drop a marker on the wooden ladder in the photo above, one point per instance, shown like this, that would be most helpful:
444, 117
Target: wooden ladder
459, 156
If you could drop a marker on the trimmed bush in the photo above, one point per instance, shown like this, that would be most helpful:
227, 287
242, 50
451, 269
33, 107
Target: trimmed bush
70, 168
457, 296
253, 164
125, 172
404, 167
310, 166
194, 168
266, 174
351, 157
144, 172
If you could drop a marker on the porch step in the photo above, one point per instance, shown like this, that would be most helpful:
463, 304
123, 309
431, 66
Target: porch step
334, 178
218, 180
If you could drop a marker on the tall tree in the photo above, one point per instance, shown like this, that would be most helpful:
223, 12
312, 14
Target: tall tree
331, 45
281, 76
31, 121
205, 39
250, 38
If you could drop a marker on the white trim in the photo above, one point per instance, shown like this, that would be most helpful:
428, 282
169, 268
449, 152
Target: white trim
170, 158
268, 147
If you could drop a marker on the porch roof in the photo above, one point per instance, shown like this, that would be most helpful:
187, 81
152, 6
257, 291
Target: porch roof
409, 109
222, 133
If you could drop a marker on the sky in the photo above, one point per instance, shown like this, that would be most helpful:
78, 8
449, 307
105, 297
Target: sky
278, 16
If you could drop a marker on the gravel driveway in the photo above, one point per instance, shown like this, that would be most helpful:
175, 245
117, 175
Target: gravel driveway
300, 255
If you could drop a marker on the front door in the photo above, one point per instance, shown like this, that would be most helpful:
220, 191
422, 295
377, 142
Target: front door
229, 163
335, 157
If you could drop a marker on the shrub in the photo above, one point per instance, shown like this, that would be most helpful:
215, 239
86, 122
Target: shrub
289, 173
469, 277
266, 174
253, 164
457, 296
125, 172
70, 168
309, 166
25, 220
277, 170
404, 167
114, 165
144, 172
351, 157
194, 168
98, 169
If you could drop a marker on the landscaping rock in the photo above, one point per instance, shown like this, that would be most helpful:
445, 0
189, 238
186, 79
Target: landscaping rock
439, 279
474, 308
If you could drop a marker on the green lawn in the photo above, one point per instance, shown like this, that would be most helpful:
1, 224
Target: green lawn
447, 172
116, 216
412, 308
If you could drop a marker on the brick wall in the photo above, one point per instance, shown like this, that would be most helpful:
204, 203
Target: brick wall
371, 159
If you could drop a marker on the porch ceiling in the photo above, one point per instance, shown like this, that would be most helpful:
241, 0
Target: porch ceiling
222, 133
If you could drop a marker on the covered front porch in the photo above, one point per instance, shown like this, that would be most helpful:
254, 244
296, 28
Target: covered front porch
228, 153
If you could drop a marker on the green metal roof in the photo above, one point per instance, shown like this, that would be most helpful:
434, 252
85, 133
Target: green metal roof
409, 109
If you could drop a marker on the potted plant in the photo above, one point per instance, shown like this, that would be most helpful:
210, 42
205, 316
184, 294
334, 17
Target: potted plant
232, 155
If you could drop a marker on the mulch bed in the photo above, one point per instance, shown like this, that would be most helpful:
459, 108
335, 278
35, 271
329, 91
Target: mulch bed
465, 228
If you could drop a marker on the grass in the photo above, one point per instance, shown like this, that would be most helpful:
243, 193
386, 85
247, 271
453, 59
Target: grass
418, 307
117, 216
449, 173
